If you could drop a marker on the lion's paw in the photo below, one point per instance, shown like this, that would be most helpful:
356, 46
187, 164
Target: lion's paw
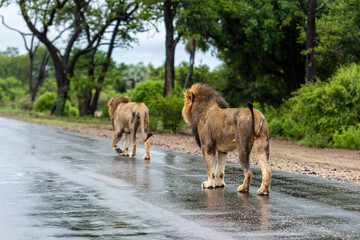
220, 183
243, 188
208, 184
145, 157
117, 149
262, 191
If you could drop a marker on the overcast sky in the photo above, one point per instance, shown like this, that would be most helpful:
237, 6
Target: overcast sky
149, 49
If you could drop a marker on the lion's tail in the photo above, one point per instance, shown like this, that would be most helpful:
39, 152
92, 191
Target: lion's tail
251, 107
142, 125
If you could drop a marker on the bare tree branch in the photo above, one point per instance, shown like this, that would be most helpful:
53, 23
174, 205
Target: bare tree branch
23, 35
177, 39
322, 5
303, 6
52, 15
76, 33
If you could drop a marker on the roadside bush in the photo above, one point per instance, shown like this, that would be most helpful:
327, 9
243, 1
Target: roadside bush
11, 89
69, 110
145, 91
165, 113
105, 112
44, 102
24, 102
281, 123
348, 137
322, 110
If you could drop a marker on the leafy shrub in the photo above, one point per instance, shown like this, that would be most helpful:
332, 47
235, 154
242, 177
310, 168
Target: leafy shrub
281, 124
348, 137
24, 102
11, 89
105, 112
44, 102
319, 111
165, 113
172, 117
145, 91
69, 110
168, 110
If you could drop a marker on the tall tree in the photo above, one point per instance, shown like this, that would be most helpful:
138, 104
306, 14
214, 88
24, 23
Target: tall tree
120, 34
87, 100
258, 41
190, 48
76, 19
40, 73
178, 17
310, 10
32, 48
338, 36
170, 10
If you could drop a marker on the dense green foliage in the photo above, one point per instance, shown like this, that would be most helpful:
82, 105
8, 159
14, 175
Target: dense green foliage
10, 90
339, 36
261, 44
165, 112
323, 114
45, 101
12, 64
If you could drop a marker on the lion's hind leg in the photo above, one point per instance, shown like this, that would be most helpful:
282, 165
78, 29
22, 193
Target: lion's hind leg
245, 165
209, 158
147, 150
116, 138
220, 169
126, 144
261, 145
133, 141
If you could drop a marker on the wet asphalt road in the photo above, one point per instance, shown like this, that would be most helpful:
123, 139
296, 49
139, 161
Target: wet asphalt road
56, 184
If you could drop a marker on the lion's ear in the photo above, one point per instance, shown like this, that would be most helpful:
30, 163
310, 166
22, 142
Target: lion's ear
190, 97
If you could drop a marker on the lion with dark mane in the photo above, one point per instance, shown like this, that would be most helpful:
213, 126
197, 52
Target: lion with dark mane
217, 127
126, 117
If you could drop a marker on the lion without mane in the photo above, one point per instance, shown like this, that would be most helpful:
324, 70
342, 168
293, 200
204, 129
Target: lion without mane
126, 117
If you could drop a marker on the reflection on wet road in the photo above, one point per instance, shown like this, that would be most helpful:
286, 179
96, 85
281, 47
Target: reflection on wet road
61, 185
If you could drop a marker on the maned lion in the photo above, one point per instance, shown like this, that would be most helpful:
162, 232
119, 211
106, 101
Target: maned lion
126, 117
218, 127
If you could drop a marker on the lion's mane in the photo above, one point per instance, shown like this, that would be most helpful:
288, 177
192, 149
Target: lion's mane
198, 98
114, 102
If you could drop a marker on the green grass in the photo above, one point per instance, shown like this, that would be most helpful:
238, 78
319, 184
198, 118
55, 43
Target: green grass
32, 116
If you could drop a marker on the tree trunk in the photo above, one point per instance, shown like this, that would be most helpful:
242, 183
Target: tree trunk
30, 75
310, 10
85, 103
293, 75
63, 85
310, 72
169, 47
41, 75
85, 95
191, 63
105, 68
